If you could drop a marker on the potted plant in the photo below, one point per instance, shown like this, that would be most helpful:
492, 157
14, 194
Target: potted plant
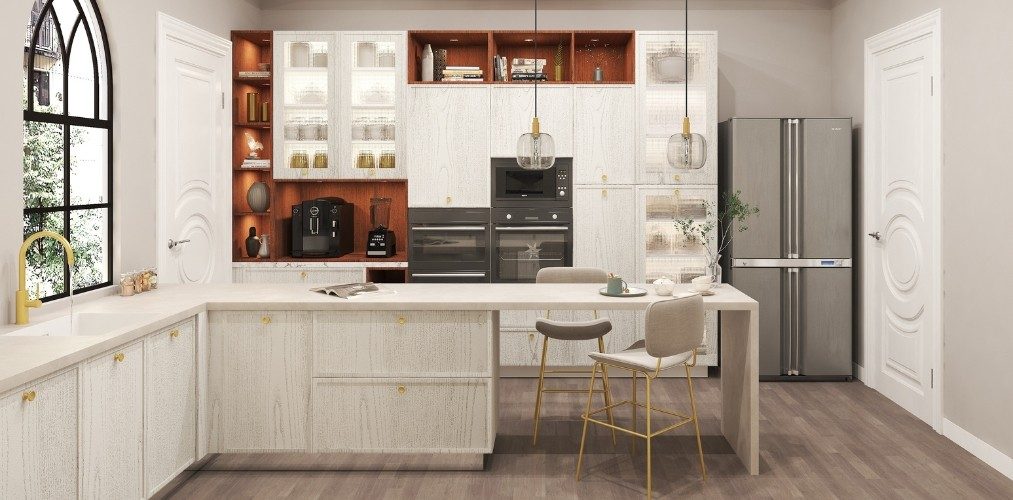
733, 214
558, 60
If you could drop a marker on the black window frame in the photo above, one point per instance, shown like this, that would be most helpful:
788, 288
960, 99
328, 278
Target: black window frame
67, 121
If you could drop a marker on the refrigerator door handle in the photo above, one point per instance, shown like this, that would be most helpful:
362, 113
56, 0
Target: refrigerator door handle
797, 163
797, 309
789, 188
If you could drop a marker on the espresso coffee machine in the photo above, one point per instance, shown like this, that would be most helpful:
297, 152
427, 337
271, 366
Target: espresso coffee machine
322, 228
381, 242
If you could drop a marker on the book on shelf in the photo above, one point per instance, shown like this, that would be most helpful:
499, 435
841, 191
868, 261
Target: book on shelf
255, 164
522, 65
462, 68
499, 68
528, 77
255, 74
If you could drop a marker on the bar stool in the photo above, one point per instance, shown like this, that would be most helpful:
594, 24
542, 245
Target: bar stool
571, 330
674, 329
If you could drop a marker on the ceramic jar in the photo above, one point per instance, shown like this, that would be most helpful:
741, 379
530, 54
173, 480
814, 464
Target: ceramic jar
427, 63
259, 197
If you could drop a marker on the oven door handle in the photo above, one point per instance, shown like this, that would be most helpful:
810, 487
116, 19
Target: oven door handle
532, 228
448, 275
448, 228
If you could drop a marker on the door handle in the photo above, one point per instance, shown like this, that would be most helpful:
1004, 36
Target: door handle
174, 243
876, 235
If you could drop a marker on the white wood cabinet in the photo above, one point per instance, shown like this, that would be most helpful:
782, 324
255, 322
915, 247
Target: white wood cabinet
513, 107
604, 135
112, 392
305, 105
38, 440
448, 143
170, 404
371, 86
258, 380
308, 275
604, 230
661, 103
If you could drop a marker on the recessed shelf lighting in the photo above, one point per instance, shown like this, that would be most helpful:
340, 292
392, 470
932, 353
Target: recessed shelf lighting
454, 40
594, 39
529, 40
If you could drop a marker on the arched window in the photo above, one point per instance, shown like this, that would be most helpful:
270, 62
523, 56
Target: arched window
68, 182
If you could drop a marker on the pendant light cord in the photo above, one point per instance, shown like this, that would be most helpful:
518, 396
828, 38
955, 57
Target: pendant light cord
686, 58
536, 59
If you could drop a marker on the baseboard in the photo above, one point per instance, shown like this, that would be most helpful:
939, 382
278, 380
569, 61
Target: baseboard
984, 451
858, 371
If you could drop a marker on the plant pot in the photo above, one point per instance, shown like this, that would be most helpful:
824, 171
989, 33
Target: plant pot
259, 197
559, 73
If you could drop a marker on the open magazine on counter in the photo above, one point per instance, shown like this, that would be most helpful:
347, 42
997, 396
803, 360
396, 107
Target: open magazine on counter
350, 290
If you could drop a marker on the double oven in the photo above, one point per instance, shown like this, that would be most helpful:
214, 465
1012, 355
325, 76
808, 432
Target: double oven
529, 227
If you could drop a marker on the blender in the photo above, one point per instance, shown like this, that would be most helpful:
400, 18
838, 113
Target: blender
381, 239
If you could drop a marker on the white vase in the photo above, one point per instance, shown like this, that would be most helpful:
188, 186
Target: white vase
427, 63
265, 247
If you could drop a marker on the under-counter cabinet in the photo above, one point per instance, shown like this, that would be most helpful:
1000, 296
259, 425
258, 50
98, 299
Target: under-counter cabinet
448, 143
603, 136
38, 440
513, 107
170, 404
293, 274
258, 378
112, 424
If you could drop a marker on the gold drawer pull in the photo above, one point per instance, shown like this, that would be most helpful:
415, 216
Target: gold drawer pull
401, 390
303, 275
676, 177
604, 178
119, 357
28, 396
449, 200
401, 320
174, 333
604, 193
266, 320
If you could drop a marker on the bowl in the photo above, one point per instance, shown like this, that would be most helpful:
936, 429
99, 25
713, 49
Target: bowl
664, 286
703, 283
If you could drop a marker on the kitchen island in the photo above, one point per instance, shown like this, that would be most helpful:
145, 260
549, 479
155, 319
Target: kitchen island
391, 379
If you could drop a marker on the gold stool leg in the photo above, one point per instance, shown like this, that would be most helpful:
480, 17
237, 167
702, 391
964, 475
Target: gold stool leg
633, 439
541, 383
647, 400
696, 423
605, 386
586, 416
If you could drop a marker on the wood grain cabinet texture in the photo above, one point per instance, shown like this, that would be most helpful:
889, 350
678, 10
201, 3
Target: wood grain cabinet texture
448, 144
513, 107
38, 440
170, 404
604, 135
402, 343
396, 415
112, 415
308, 275
259, 375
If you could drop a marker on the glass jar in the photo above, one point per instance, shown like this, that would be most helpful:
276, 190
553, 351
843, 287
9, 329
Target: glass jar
292, 130
385, 58
126, 284
388, 129
299, 159
320, 159
388, 159
308, 131
321, 125
375, 130
359, 129
365, 159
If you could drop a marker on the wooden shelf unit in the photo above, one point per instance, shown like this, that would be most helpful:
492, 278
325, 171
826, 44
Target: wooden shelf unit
614, 51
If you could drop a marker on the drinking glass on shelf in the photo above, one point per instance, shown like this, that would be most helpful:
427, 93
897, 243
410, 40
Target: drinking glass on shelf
320, 159
359, 129
308, 131
321, 128
299, 159
366, 54
291, 130
366, 159
375, 130
388, 129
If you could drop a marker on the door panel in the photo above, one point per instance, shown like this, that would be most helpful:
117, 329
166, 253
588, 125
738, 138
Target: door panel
604, 122
826, 188
764, 285
513, 107
755, 159
825, 336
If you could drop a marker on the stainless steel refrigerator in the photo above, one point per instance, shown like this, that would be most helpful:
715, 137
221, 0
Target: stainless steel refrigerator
795, 257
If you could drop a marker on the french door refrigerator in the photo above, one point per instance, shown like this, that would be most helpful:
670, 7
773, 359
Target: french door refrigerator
795, 257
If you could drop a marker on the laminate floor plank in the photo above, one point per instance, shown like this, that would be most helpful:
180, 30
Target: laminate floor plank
817, 440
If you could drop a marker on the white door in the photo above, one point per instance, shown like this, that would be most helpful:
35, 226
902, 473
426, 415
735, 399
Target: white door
902, 206
193, 227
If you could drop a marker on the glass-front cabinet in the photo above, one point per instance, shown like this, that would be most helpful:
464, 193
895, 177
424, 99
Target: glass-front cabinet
661, 84
371, 85
304, 108
671, 218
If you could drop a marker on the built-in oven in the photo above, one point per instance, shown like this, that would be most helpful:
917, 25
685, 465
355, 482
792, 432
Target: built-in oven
525, 240
449, 245
513, 186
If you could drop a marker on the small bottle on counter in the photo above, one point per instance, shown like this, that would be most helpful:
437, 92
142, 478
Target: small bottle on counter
145, 283
126, 285
138, 288
153, 278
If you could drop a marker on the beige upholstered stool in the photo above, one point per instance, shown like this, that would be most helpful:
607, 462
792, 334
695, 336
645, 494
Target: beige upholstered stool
674, 329
570, 330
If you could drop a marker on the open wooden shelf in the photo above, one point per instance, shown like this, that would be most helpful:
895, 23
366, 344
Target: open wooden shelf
613, 50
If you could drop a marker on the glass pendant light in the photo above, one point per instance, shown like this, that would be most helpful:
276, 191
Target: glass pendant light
687, 151
537, 150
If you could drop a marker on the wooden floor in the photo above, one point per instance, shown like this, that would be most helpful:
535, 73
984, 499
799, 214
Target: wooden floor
818, 440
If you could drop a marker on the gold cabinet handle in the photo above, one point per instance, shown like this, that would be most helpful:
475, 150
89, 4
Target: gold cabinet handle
676, 178
449, 200
174, 333
303, 275
604, 193
119, 357
265, 320
401, 320
604, 177
401, 390
28, 396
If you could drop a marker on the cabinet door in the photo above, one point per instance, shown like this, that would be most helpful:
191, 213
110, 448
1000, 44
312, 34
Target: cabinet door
604, 135
111, 424
513, 107
372, 87
305, 105
38, 440
315, 275
664, 249
258, 378
170, 404
604, 229
661, 90
448, 143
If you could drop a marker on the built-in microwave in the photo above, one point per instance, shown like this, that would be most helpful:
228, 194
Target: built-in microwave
513, 186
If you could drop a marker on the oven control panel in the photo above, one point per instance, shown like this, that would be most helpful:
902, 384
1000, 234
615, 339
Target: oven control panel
562, 182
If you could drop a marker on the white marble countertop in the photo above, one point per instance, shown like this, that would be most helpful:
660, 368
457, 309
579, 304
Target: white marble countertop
24, 359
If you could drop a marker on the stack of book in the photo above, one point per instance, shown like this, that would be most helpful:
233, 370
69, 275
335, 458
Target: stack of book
255, 164
527, 69
462, 73
499, 68
255, 74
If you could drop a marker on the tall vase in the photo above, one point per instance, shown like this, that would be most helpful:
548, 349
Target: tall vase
439, 64
599, 74
714, 269
427, 63
252, 243
265, 247
259, 197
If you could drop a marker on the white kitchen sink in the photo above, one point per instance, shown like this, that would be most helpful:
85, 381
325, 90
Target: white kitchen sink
83, 324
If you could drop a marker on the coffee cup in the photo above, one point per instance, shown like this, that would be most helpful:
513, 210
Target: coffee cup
703, 283
616, 285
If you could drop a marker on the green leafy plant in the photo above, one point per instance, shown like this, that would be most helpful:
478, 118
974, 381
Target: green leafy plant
730, 219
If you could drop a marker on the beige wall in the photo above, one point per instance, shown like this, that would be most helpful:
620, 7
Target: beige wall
977, 233
131, 27
852, 21
774, 55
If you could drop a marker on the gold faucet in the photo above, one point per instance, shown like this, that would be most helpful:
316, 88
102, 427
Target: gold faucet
23, 304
